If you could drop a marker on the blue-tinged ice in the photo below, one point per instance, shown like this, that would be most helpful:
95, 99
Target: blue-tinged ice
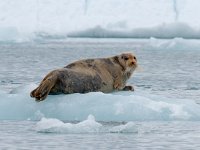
118, 106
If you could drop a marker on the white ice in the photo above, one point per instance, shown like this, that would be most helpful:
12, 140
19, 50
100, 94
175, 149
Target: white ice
50, 125
32, 19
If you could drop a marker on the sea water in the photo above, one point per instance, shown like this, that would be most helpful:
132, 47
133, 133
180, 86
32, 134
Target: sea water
162, 113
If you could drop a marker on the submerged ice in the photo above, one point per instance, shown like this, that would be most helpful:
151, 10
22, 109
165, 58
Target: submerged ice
119, 106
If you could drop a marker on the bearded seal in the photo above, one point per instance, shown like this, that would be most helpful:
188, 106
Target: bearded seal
89, 75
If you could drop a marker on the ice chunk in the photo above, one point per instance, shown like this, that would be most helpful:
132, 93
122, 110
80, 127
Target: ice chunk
51, 125
119, 106
55, 125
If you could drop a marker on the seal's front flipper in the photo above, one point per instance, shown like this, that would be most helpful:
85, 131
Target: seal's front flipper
128, 88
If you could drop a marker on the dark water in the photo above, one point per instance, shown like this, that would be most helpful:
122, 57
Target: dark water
150, 135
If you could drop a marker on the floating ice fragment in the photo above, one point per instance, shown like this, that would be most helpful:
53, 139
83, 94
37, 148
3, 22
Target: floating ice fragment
50, 125
57, 126
120, 106
129, 127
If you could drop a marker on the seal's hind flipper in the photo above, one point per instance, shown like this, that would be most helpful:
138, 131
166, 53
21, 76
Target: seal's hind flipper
32, 94
42, 91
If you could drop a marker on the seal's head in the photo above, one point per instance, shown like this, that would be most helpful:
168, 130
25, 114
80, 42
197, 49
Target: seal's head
128, 61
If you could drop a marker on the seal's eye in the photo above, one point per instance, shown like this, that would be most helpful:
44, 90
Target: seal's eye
134, 57
126, 58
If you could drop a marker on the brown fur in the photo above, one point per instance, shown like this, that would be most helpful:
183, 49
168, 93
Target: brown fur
89, 75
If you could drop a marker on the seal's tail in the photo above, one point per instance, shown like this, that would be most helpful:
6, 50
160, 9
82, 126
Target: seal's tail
42, 91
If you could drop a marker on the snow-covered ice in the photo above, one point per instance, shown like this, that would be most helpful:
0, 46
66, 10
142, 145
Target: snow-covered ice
98, 18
